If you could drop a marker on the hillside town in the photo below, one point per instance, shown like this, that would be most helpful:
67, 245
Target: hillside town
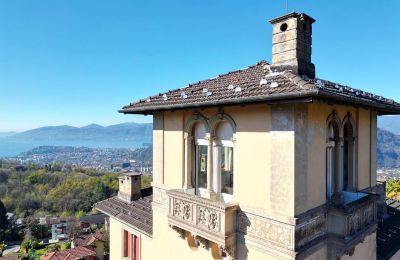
52, 237
106, 159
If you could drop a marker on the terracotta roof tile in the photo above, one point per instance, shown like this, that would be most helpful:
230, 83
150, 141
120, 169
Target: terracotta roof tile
256, 84
138, 214
70, 254
89, 239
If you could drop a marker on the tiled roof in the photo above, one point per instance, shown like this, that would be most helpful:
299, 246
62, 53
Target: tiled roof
93, 219
76, 253
9, 258
138, 213
257, 84
88, 240
388, 235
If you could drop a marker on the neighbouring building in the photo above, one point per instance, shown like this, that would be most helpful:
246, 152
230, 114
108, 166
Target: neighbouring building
265, 162
77, 253
96, 219
96, 241
9, 258
58, 232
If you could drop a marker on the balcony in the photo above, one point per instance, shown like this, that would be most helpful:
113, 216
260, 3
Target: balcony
207, 221
351, 221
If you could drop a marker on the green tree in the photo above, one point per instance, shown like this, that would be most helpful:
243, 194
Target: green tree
3, 218
29, 244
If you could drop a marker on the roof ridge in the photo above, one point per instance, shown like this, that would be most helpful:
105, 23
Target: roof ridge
298, 80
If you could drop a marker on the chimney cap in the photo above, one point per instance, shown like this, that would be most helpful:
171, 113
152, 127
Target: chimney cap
130, 174
292, 15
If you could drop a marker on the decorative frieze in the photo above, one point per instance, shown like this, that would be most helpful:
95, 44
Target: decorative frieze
264, 229
360, 219
310, 230
208, 218
209, 221
183, 210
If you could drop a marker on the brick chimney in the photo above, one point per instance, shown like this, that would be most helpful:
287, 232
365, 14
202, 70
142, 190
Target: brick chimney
130, 186
291, 44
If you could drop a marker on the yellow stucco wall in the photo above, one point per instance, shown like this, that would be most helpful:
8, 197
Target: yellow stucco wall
316, 138
279, 168
116, 241
173, 149
363, 148
279, 153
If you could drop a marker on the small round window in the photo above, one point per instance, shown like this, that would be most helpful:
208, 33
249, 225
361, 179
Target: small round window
284, 27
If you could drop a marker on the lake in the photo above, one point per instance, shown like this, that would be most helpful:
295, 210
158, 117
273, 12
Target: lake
10, 147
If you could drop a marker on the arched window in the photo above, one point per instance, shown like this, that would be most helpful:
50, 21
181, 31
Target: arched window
223, 160
224, 129
196, 154
349, 173
199, 160
333, 176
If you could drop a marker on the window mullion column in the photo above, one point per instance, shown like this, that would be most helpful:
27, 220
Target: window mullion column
210, 191
188, 162
341, 164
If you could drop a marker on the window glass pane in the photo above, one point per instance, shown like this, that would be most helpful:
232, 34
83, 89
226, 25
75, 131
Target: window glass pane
201, 166
226, 167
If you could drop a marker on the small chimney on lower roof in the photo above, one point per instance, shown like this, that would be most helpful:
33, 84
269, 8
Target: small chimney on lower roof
291, 44
130, 186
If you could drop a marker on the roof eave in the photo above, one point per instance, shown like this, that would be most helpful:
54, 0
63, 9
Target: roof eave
240, 101
383, 109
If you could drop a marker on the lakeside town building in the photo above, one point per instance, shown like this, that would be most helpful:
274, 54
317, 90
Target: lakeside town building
266, 162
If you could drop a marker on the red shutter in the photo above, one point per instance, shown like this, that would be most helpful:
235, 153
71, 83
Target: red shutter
136, 250
129, 246
126, 243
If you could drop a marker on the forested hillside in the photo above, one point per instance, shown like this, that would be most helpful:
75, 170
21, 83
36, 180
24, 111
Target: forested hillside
32, 190
388, 149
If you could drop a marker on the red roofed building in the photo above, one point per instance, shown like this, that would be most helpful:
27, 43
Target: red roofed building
77, 253
96, 241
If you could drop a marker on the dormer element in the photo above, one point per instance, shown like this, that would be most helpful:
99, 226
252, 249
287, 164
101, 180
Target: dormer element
291, 44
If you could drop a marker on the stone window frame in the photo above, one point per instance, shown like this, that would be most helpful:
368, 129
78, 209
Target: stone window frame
214, 124
352, 152
131, 233
333, 155
210, 125
335, 149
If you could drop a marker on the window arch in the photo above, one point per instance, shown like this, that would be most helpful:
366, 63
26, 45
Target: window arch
349, 153
333, 154
197, 131
223, 129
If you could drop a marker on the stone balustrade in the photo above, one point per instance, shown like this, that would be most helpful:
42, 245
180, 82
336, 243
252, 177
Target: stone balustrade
206, 220
350, 223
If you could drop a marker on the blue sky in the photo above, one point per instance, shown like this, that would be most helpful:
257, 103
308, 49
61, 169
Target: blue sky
77, 62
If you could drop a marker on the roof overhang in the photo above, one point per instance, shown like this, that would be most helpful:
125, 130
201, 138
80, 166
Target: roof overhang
297, 97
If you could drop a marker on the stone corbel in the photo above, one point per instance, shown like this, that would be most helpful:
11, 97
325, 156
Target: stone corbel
229, 250
202, 242
180, 231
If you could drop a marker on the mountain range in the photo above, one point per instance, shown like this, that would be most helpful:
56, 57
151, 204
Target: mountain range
133, 135
93, 132
390, 123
